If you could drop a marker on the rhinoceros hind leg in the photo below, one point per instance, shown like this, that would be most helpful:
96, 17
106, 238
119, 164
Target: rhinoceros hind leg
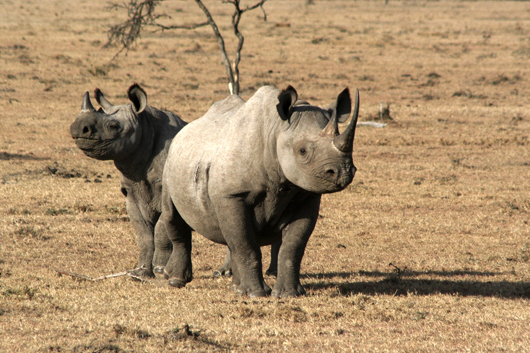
234, 286
273, 267
226, 269
222, 272
178, 268
163, 248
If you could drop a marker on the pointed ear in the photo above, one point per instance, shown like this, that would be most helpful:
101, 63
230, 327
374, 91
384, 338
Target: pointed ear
138, 97
287, 98
341, 107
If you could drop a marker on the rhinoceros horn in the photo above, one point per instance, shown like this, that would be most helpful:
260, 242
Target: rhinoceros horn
332, 128
87, 105
344, 142
101, 99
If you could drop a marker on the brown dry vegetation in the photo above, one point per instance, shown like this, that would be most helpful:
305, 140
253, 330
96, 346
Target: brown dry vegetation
442, 192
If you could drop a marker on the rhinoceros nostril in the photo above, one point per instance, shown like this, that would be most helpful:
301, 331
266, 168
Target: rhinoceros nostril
86, 130
330, 173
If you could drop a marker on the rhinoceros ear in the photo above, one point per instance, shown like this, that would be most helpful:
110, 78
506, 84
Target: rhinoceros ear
138, 97
101, 99
286, 99
341, 108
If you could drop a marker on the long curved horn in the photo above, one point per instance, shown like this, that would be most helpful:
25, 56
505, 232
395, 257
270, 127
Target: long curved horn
87, 105
101, 99
344, 142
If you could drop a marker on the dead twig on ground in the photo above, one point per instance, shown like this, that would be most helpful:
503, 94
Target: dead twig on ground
92, 279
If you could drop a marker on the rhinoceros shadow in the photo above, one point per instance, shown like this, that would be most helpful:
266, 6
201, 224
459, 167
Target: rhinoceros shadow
392, 284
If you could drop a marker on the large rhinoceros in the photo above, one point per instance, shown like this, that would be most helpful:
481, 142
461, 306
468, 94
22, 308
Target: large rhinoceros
136, 137
248, 174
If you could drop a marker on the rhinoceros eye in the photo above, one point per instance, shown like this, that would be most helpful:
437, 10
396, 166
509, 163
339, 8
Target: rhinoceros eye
303, 151
114, 126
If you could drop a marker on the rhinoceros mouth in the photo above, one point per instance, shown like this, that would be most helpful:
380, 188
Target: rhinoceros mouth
95, 148
331, 186
334, 185
85, 144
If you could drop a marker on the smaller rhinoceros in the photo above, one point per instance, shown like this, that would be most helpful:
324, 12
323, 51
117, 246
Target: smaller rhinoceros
249, 174
136, 137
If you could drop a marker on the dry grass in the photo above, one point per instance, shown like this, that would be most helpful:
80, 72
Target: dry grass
442, 192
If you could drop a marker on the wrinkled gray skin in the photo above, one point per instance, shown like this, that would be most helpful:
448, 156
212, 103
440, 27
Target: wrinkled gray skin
249, 174
136, 137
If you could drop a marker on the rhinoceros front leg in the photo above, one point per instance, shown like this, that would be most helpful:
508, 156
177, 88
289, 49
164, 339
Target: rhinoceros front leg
226, 269
237, 229
178, 267
294, 241
163, 248
144, 232
238, 287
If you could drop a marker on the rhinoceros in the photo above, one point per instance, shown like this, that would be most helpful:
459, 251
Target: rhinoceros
136, 137
249, 174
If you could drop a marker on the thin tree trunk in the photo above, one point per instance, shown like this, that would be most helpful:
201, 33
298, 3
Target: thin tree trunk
226, 61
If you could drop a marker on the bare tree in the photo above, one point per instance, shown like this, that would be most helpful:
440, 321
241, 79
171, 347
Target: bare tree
141, 14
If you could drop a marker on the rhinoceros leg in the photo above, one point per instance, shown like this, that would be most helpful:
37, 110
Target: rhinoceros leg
178, 267
235, 286
273, 267
226, 269
237, 228
294, 241
163, 248
144, 231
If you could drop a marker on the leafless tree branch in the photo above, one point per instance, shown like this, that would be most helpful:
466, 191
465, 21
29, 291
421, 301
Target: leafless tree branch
221, 42
236, 17
190, 26
141, 14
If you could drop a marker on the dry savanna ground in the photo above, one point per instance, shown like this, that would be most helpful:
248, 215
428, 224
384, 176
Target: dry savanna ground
442, 192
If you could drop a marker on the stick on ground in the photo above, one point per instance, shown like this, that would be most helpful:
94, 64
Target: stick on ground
88, 278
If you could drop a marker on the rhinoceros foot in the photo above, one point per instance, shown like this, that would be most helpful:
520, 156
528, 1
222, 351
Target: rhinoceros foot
259, 294
177, 282
288, 292
143, 272
226, 268
222, 272
256, 293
